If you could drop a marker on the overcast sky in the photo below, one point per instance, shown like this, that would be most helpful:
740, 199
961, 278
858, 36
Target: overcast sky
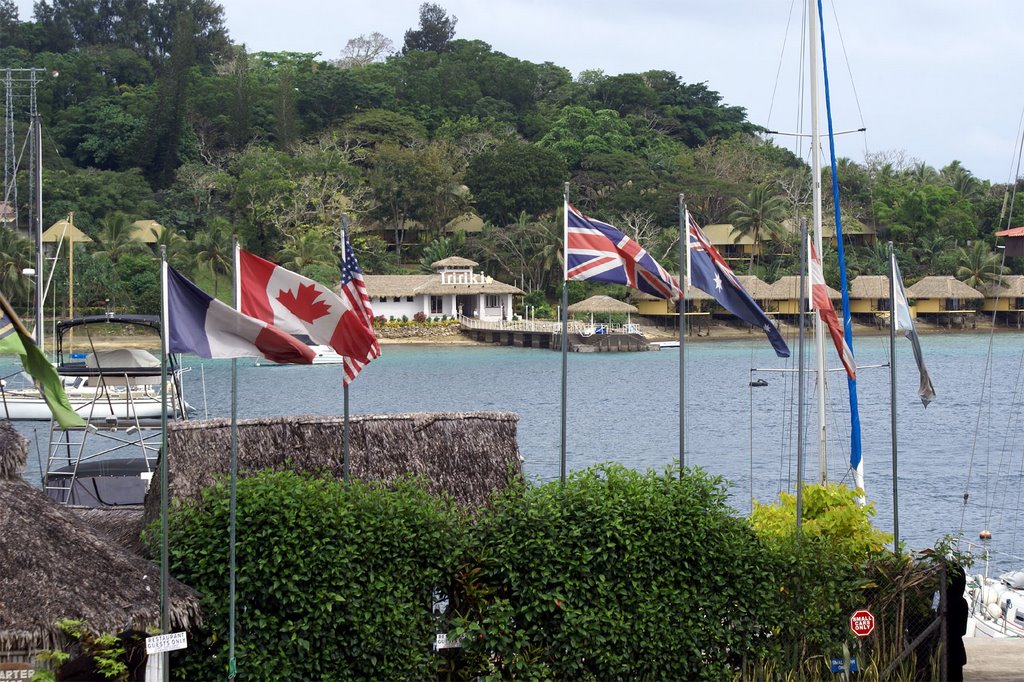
937, 80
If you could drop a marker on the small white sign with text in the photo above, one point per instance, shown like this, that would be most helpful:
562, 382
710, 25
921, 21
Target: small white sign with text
168, 642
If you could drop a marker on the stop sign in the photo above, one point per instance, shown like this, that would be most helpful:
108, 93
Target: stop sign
862, 623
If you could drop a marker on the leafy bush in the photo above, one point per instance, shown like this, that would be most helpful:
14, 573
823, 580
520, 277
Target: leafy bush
334, 581
420, 317
825, 581
379, 321
614, 575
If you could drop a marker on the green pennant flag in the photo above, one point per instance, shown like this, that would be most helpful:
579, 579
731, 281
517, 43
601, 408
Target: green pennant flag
14, 338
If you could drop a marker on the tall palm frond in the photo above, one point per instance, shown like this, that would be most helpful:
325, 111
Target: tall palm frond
760, 215
979, 265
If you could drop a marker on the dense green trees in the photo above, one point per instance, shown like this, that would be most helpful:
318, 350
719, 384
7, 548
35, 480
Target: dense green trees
156, 115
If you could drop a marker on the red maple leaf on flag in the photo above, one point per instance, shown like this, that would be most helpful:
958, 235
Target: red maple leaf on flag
305, 304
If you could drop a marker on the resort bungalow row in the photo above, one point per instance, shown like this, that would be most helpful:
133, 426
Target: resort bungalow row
937, 299
453, 290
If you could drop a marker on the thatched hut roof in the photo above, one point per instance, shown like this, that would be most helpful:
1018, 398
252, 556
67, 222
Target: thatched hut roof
755, 286
943, 286
788, 288
120, 525
1010, 286
453, 262
465, 454
56, 567
870, 286
146, 231
601, 304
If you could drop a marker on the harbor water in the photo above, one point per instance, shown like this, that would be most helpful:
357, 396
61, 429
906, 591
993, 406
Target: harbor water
624, 408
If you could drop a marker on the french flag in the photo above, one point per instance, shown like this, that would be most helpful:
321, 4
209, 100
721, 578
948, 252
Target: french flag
200, 324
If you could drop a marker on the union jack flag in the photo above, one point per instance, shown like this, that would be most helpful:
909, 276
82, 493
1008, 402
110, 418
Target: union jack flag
598, 251
709, 272
354, 289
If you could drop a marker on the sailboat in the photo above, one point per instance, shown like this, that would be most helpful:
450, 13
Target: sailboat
102, 384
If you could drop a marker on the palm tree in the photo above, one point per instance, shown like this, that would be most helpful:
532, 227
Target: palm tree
116, 236
979, 265
760, 215
213, 250
15, 255
177, 247
310, 248
441, 248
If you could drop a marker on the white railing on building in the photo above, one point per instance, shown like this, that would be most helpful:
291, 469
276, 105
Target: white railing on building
549, 326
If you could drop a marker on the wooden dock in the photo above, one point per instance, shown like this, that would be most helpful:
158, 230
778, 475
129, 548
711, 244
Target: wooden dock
583, 338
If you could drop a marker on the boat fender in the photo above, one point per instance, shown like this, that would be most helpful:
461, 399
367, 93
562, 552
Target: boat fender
989, 595
994, 612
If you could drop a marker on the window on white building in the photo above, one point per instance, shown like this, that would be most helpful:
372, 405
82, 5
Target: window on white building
408, 299
396, 299
436, 305
492, 301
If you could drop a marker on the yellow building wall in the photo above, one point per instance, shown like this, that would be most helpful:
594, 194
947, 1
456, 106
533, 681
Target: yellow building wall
655, 308
863, 305
1005, 304
930, 305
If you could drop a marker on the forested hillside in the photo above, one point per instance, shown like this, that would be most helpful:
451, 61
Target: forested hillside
149, 110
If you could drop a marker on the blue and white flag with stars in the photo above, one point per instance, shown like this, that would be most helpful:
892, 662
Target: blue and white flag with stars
709, 272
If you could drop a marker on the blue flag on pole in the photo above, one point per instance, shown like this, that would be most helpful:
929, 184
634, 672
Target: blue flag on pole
709, 272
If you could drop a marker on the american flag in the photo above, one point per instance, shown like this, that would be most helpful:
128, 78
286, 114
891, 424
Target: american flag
354, 289
598, 251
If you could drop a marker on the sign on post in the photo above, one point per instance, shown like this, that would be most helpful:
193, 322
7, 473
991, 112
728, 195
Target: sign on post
862, 623
168, 642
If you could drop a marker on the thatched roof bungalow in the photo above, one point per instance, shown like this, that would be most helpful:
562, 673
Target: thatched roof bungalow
55, 567
465, 454
732, 244
869, 294
944, 294
1004, 296
783, 296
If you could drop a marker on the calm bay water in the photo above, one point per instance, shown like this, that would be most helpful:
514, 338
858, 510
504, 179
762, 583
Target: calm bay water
623, 407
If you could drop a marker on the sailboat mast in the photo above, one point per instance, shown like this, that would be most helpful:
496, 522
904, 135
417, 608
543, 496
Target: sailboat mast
819, 345
37, 147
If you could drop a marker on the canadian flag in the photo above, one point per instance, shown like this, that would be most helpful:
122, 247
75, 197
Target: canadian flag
299, 305
823, 304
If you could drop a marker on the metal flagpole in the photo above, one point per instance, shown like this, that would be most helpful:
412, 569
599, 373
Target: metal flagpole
344, 389
684, 245
800, 381
565, 321
892, 400
165, 618
236, 295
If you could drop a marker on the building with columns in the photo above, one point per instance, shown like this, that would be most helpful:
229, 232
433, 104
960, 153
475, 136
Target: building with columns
453, 289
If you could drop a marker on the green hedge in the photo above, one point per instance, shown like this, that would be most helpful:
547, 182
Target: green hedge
334, 581
615, 575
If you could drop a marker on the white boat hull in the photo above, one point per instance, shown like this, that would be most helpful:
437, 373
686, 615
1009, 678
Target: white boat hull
29, 406
996, 608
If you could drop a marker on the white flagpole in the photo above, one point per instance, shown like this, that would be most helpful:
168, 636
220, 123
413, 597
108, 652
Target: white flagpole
565, 323
165, 619
236, 295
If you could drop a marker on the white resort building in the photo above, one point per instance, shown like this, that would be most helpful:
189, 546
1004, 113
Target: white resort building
453, 290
